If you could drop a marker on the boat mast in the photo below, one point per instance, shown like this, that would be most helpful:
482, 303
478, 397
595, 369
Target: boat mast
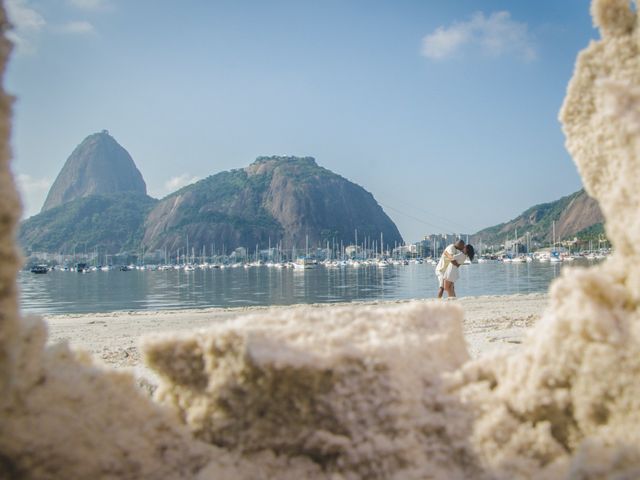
356, 243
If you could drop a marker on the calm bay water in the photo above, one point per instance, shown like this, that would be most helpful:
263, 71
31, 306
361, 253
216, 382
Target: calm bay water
71, 292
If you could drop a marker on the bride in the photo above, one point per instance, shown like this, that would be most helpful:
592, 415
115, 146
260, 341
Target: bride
451, 274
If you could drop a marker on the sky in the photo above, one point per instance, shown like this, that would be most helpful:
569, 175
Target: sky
446, 111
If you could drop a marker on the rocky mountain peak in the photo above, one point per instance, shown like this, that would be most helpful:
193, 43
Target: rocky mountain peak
267, 164
288, 200
281, 159
99, 165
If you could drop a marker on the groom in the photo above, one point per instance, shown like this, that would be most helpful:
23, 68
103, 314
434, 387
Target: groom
445, 260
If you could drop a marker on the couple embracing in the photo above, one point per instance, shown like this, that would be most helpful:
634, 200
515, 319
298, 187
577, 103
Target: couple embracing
447, 273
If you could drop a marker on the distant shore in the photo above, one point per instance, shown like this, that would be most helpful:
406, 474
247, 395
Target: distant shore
491, 323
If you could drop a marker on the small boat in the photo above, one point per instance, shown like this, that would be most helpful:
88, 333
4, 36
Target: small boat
39, 269
555, 257
304, 263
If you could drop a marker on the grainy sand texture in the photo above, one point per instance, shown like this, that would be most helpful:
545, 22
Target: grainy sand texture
490, 323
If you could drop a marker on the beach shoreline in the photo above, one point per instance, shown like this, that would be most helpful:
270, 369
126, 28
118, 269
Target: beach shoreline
491, 323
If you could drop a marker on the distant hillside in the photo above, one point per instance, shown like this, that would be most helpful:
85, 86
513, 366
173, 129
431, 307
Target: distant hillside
111, 223
98, 166
99, 201
277, 199
574, 215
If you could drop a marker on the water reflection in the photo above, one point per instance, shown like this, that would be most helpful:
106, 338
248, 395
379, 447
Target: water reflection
70, 292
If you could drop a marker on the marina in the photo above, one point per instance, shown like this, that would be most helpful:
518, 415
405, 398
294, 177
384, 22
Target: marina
255, 284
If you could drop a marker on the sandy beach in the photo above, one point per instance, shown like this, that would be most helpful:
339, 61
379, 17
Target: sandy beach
490, 323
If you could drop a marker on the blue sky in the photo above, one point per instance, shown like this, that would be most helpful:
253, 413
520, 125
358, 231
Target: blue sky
445, 110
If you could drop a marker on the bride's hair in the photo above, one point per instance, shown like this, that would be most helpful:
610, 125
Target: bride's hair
470, 251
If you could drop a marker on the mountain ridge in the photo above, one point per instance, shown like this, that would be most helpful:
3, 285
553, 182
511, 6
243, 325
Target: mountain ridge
286, 199
275, 199
574, 215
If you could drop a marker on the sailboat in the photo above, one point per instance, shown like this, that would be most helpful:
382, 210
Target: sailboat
434, 255
516, 257
506, 258
555, 256
303, 263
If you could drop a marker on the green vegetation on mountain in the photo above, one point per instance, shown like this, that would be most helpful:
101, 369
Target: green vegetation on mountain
220, 191
575, 216
594, 233
109, 223
99, 202
275, 199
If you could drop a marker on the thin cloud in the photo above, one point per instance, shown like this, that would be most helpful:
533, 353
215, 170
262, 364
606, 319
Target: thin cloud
23, 16
76, 28
33, 192
179, 181
27, 23
495, 35
90, 4
444, 42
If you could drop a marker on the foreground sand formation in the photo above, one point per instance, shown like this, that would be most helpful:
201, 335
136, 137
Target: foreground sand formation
363, 392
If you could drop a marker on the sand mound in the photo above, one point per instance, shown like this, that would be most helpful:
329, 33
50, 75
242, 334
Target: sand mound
68, 419
358, 390
568, 403
364, 392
